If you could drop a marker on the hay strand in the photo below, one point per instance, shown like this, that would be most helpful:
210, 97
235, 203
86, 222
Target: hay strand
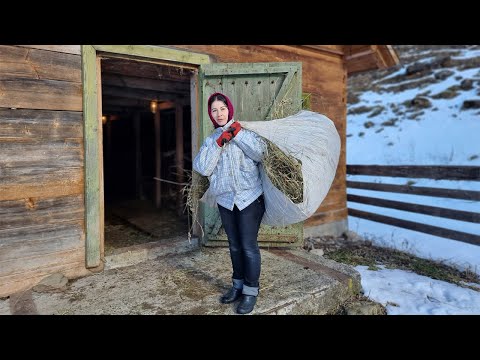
197, 186
284, 171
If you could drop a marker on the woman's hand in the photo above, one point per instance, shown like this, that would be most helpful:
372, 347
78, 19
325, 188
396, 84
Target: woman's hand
224, 138
235, 128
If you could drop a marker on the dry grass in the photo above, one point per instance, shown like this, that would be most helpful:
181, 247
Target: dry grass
284, 171
196, 187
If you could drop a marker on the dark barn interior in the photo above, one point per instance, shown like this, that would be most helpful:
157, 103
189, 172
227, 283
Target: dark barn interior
147, 153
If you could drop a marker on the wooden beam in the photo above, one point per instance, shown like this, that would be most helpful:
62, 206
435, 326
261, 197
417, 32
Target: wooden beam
146, 69
156, 52
126, 102
418, 171
69, 49
144, 83
92, 154
389, 54
416, 190
139, 94
179, 155
367, 57
305, 50
411, 225
158, 160
138, 156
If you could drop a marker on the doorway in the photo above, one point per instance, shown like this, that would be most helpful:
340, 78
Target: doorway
147, 155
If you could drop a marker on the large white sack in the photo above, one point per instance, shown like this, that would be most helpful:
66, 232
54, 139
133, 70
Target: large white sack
311, 138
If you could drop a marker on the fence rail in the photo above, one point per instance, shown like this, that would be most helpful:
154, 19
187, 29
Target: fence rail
470, 173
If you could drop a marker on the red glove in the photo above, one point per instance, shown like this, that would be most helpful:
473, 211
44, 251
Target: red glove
224, 138
235, 128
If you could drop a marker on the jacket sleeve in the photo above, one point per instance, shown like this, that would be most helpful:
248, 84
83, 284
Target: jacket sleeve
207, 157
251, 144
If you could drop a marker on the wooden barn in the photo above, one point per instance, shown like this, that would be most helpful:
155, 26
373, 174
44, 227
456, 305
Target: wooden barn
91, 133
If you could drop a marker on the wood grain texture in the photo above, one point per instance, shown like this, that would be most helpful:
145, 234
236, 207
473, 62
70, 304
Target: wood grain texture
40, 94
93, 157
39, 211
26, 125
22, 63
69, 49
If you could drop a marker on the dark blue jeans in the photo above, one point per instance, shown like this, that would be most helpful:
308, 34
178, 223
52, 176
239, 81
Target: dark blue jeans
242, 231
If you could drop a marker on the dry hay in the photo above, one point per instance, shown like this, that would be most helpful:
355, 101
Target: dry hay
284, 171
197, 186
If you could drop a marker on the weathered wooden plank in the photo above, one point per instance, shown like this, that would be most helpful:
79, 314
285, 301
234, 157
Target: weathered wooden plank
21, 162
17, 62
101, 186
329, 49
13, 267
41, 232
416, 190
56, 183
249, 68
37, 173
34, 125
36, 210
11, 70
12, 54
37, 248
41, 94
56, 66
69, 49
361, 63
411, 225
156, 52
417, 208
418, 171
93, 154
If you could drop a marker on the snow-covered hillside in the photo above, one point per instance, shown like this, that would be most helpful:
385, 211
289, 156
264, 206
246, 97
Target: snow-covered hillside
425, 111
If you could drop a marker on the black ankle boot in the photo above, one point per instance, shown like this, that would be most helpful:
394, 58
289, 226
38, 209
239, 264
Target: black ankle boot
231, 296
246, 304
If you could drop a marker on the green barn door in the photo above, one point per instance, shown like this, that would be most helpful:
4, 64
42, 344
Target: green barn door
258, 91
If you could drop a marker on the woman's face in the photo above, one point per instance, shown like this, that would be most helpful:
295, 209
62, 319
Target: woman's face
219, 112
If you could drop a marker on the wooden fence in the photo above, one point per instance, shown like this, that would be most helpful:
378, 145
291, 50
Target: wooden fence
470, 173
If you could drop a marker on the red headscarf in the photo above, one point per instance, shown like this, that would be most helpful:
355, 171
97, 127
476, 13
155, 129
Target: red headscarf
229, 105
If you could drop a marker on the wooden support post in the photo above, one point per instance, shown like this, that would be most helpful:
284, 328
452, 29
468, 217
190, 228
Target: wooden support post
179, 154
138, 156
158, 161
108, 139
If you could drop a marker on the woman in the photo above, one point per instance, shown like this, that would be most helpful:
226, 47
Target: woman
230, 158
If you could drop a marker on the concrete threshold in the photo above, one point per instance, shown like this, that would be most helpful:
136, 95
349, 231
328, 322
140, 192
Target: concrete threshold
135, 254
183, 279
